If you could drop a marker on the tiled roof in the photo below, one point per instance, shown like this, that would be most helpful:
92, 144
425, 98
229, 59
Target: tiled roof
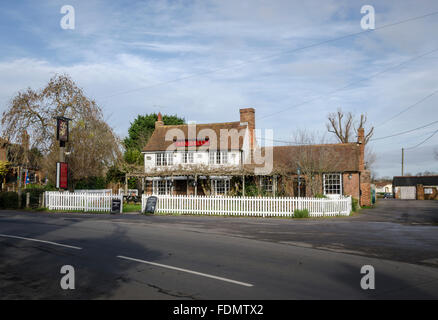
341, 157
157, 141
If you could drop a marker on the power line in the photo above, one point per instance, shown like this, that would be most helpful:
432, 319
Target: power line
409, 107
434, 133
274, 55
350, 84
404, 132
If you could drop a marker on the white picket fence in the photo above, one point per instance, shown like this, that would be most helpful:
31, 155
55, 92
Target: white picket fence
250, 206
86, 202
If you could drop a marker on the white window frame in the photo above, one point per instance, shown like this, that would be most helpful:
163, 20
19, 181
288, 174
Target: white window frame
161, 187
218, 157
220, 186
188, 157
334, 180
163, 159
267, 184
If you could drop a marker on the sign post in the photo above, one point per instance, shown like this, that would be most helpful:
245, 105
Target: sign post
62, 166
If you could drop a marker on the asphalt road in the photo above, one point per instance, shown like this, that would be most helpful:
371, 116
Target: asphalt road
192, 257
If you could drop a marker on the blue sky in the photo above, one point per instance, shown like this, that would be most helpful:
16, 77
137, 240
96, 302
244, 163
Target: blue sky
126, 54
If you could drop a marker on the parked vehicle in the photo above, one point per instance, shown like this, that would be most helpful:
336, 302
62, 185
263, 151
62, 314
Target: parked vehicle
388, 195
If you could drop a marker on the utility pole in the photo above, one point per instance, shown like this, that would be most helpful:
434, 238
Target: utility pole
403, 162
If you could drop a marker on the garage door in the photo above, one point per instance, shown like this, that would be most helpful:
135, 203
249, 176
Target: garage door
407, 193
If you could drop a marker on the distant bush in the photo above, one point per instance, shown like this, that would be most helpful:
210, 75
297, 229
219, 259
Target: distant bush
90, 183
320, 195
301, 213
8, 200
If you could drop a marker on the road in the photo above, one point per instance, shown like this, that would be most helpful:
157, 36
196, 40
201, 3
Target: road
194, 257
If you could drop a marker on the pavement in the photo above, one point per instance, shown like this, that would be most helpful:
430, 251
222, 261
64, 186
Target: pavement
202, 257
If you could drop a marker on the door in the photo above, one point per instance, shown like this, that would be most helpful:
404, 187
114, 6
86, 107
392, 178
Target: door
408, 193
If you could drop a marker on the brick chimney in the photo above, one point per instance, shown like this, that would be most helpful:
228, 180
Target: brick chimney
248, 115
159, 122
361, 143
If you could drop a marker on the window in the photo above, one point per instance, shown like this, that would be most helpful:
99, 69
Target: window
161, 187
332, 183
266, 183
219, 157
164, 159
188, 157
220, 186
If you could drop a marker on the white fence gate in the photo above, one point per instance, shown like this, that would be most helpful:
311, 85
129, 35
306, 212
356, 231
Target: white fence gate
80, 201
250, 206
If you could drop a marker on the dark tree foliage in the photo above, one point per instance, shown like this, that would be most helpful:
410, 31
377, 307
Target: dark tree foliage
139, 133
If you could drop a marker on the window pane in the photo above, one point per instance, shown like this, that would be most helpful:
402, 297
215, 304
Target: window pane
332, 183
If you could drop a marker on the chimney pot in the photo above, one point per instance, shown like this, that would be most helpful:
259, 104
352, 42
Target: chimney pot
159, 122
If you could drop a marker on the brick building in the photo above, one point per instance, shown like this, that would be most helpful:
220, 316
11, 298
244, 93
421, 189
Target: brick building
222, 158
416, 187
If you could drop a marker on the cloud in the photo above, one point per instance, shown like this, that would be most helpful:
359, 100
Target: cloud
129, 55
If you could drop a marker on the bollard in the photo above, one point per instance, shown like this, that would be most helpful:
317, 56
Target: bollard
27, 199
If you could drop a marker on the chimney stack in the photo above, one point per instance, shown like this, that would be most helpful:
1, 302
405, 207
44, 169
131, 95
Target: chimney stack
361, 142
159, 122
248, 115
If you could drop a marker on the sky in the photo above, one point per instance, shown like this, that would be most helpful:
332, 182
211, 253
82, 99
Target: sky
204, 60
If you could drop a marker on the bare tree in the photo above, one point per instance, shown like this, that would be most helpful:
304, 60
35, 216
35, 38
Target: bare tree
370, 158
314, 158
92, 143
342, 124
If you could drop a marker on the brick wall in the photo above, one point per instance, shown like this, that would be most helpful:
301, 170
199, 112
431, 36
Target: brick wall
351, 186
365, 187
420, 192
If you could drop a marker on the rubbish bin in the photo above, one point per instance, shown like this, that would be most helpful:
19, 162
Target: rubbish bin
151, 204
116, 206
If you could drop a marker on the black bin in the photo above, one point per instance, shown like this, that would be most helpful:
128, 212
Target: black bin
151, 204
116, 206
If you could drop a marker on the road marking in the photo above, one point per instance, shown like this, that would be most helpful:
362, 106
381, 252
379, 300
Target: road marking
43, 241
188, 271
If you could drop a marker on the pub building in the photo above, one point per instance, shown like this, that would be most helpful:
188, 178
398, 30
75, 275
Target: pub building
218, 159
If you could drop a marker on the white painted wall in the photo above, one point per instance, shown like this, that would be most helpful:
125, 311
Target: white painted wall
200, 158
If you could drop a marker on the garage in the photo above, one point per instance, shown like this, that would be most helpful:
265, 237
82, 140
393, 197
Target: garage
416, 187
408, 193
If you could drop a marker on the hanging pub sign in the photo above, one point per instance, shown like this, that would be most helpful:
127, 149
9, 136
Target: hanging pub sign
62, 129
61, 175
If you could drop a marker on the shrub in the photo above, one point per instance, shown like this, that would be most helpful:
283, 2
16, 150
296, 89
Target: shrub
320, 195
301, 213
354, 204
35, 193
8, 200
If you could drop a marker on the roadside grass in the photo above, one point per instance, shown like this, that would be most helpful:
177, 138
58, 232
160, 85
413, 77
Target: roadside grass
72, 211
131, 207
